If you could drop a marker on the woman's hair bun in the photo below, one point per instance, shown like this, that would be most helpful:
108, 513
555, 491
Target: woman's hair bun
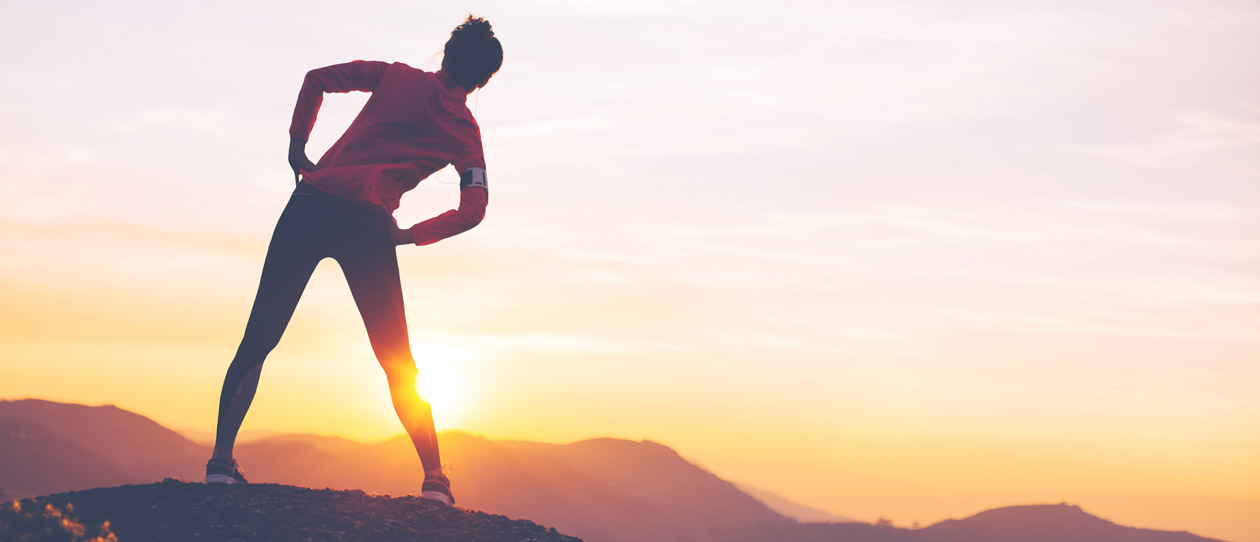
472, 54
473, 29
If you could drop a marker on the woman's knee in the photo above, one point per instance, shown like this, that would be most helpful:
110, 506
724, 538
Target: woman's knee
255, 347
400, 370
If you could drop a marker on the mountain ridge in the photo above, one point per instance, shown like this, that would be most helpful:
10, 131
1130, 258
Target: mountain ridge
1069, 522
603, 489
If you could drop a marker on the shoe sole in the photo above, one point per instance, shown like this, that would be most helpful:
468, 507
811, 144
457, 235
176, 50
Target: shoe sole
220, 479
437, 496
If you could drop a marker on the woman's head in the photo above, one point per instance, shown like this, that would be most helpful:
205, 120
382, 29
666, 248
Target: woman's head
472, 54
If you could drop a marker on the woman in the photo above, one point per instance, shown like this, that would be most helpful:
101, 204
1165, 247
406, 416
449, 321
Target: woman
414, 123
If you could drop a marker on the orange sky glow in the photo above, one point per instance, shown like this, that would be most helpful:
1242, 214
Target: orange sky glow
907, 260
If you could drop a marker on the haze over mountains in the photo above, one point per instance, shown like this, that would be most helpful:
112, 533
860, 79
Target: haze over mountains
604, 490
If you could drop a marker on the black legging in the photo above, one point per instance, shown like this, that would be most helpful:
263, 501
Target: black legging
313, 226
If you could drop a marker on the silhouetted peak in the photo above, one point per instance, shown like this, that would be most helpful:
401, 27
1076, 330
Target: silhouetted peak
83, 424
640, 448
1056, 512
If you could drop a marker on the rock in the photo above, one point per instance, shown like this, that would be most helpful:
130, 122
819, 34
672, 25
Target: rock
272, 512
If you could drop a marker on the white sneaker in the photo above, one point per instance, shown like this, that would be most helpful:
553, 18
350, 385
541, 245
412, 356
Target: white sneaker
437, 488
219, 471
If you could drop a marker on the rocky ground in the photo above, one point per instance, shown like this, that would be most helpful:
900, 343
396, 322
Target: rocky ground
177, 510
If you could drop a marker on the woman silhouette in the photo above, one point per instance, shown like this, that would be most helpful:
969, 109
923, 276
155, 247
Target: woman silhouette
414, 123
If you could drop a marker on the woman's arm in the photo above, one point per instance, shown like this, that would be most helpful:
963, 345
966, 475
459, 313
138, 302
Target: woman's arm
297, 158
357, 75
474, 195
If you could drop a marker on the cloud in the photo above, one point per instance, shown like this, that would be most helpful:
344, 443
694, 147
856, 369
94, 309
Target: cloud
1197, 137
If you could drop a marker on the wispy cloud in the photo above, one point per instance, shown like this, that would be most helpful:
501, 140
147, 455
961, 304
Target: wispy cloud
1196, 136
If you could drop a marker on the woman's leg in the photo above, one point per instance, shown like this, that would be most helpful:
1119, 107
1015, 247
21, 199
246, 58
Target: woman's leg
291, 259
372, 273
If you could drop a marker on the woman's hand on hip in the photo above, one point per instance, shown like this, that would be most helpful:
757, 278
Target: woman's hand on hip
297, 158
401, 236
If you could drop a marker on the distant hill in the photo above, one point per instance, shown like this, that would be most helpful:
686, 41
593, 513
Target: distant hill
1032, 523
1044, 523
602, 490
175, 510
655, 474
34, 460
142, 449
486, 476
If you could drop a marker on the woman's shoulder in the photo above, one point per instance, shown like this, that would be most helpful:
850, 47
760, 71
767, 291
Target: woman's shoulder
401, 67
412, 74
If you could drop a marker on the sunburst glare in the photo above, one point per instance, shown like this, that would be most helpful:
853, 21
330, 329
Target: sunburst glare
440, 381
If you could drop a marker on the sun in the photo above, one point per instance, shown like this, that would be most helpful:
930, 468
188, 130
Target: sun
439, 381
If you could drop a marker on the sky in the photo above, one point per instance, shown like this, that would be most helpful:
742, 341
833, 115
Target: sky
901, 259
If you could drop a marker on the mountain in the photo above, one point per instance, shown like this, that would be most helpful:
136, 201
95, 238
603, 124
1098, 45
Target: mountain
656, 475
1044, 523
486, 476
603, 490
588, 487
1031, 523
175, 510
142, 449
35, 461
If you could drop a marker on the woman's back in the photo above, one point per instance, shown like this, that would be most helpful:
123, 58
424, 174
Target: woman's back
415, 123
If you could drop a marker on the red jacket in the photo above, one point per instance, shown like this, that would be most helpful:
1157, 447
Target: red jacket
415, 123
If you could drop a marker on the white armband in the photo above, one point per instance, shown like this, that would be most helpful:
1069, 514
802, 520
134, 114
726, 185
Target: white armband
473, 176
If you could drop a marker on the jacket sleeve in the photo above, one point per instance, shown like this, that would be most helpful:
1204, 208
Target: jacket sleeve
473, 197
357, 75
